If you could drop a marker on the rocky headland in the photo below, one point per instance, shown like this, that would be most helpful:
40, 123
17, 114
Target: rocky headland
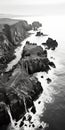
19, 88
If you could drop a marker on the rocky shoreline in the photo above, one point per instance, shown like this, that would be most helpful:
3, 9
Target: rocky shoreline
19, 87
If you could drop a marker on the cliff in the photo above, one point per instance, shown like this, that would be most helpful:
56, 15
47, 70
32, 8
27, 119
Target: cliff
12, 32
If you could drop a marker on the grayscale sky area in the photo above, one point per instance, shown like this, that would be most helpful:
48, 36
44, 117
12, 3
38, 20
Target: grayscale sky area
32, 7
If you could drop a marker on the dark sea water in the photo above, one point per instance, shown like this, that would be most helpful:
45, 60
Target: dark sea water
51, 111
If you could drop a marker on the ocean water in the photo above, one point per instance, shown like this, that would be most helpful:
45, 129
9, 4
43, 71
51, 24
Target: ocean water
50, 113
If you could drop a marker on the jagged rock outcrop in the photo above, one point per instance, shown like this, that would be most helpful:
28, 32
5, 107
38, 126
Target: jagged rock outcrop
40, 34
50, 44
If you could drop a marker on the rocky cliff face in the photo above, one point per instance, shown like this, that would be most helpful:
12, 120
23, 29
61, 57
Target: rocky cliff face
12, 32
